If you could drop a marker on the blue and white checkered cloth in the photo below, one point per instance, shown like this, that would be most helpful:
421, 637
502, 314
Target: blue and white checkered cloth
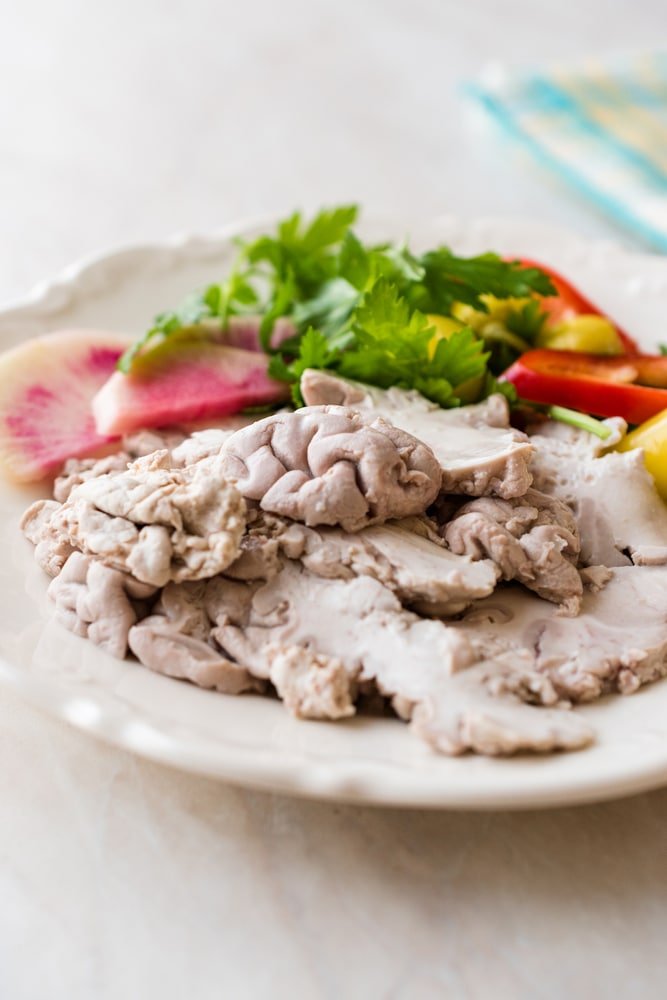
602, 127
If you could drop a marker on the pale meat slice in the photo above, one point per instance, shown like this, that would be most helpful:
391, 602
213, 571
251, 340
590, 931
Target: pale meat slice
201, 444
533, 539
174, 640
621, 517
479, 453
52, 547
331, 465
79, 470
206, 442
152, 521
617, 643
423, 574
413, 661
407, 556
99, 603
489, 709
311, 686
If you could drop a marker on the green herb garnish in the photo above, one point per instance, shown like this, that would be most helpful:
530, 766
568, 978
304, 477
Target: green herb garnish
364, 309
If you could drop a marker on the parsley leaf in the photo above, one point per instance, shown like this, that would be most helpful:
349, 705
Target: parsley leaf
388, 344
306, 255
314, 352
363, 309
448, 279
394, 346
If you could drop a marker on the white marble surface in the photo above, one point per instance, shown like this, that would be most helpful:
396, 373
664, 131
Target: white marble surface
119, 879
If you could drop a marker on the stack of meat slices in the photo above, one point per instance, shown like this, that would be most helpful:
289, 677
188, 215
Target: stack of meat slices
480, 580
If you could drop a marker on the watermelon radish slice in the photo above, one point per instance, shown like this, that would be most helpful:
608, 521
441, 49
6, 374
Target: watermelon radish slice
184, 379
46, 387
243, 332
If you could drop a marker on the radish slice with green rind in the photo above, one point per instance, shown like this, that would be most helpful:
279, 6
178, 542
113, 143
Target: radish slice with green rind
46, 388
184, 379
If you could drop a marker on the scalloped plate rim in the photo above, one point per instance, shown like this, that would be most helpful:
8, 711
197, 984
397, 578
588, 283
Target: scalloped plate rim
363, 781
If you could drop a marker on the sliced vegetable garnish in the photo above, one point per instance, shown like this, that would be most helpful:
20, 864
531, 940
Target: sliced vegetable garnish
587, 333
361, 308
569, 303
652, 437
581, 420
184, 379
608, 387
46, 387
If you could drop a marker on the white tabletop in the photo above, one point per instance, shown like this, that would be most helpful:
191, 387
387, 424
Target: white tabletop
128, 120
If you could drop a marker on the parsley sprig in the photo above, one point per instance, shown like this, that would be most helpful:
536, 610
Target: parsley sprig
363, 309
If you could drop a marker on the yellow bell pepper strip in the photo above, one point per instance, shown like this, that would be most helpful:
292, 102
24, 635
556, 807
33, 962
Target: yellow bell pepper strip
652, 437
634, 388
588, 334
569, 303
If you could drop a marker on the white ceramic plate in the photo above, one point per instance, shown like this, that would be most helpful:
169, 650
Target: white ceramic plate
251, 740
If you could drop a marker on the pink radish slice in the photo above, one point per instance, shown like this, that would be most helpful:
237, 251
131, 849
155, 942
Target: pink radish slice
46, 386
243, 332
182, 380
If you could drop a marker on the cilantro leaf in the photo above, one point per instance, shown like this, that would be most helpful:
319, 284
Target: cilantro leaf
354, 262
330, 309
460, 357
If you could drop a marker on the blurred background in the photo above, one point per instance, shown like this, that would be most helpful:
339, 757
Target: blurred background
131, 120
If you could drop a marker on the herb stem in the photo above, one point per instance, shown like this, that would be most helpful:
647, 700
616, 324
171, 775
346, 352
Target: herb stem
581, 420
494, 333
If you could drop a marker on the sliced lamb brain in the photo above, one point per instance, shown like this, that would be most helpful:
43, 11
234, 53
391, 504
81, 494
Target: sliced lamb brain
420, 664
484, 709
46, 388
150, 520
406, 556
332, 465
532, 539
617, 643
359, 621
173, 640
100, 603
477, 449
620, 515
422, 573
184, 379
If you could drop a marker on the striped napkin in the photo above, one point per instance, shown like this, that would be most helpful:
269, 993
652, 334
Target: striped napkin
601, 126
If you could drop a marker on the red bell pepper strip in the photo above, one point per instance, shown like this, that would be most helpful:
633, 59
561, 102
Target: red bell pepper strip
603, 386
570, 302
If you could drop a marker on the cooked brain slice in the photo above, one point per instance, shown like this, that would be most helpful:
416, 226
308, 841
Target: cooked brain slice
355, 631
98, 602
479, 453
154, 522
532, 539
174, 640
330, 465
